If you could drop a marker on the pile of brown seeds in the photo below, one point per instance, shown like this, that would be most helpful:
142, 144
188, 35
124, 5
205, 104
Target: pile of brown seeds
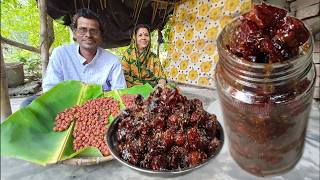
91, 119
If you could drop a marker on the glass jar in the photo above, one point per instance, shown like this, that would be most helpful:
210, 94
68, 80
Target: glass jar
265, 107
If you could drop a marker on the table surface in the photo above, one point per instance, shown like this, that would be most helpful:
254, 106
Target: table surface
223, 167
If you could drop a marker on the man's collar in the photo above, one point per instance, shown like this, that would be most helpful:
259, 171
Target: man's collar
82, 59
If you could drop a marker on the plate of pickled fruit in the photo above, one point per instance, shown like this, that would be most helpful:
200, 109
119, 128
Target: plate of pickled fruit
165, 134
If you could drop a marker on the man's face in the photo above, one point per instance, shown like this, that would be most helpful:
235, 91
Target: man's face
88, 34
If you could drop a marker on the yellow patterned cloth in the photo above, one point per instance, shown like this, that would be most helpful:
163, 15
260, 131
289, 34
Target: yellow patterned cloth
192, 53
141, 68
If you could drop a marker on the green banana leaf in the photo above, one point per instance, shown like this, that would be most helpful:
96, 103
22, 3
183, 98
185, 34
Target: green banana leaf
28, 133
142, 90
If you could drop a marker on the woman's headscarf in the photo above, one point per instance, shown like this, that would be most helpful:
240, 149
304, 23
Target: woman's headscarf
141, 68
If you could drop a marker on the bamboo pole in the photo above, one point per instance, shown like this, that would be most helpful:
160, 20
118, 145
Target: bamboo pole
44, 45
5, 100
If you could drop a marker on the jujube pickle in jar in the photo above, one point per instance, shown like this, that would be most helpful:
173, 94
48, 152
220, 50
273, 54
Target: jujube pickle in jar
265, 81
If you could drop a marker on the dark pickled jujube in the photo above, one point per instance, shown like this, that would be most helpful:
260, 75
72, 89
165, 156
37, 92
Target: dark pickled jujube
167, 132
90, 121
266, 35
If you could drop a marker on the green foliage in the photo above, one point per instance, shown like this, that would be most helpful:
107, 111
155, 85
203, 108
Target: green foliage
166, 32
119, 51
62, 34
32, 67
20, 21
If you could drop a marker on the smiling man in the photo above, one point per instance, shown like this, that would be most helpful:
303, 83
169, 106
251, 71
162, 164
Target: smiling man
84, 60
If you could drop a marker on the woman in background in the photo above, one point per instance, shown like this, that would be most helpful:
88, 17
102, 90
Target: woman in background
139, 64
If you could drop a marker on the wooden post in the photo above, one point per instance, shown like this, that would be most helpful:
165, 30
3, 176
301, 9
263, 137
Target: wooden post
50, 32
44, 45
5, 100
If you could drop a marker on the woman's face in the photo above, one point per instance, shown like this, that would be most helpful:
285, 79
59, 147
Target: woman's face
143, 38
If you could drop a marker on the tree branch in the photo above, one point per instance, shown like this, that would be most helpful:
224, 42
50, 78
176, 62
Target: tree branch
19, 45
